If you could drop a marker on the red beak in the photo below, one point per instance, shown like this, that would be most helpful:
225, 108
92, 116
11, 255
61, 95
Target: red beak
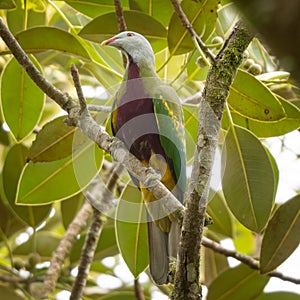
107, 42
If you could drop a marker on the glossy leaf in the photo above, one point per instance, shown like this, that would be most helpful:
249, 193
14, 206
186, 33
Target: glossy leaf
70, 207
42, 183
214, 264
94, 8
9, 222
160, 10
53, 142
22, 101
44, 243
269, 129
248, 178
202, 15
236, 284
39, 39
252, 99
281, 236
131, 230
105, 26
220, 214
278, 296
13, 166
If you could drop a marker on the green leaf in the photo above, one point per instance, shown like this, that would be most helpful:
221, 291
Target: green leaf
278, 296
70, 207
7, 292
7, 4
191, 129
193, 70
46, 182
9, 222
13, 166
252, 99
42, 242
214, 265
220, 214
269, 129
202, 15
244, 240
281, 236
236, 284
22, 101
131, 230
227, 17
160, 10
248, 178
53, 142
105, 26
39, 39
94, 8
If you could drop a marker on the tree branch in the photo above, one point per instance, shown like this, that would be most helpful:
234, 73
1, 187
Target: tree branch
138, 290
64, 248
96, 133
186, 23
216, 90
245, 259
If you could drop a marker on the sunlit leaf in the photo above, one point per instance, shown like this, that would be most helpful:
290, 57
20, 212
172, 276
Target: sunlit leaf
46, 182
201, 14
94, 8
131, 230
236, 284
105, 26
252, 99
39, 39
53, 142
13, 166
281, 236
22, 101
248, 178
160, 10
269, 129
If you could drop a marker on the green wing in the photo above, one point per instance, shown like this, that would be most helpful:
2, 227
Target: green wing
169, 116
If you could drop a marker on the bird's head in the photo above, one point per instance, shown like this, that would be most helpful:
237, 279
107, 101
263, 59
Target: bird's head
133, 45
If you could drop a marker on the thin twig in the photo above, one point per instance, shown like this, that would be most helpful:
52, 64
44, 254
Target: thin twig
138, 290
76, 80
64, 249
245, 259
187, 24
100, 108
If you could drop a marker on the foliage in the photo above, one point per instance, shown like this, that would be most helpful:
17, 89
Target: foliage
46, 165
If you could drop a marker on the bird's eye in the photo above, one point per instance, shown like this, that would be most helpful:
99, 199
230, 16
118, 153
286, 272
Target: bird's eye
129, 34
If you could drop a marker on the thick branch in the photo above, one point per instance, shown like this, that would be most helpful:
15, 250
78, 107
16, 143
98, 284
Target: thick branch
216, 90
245, 259
86, 123
64, 249
187, 24
120, 17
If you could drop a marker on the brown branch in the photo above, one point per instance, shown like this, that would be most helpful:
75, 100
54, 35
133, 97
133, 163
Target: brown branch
187, 24
121, 24
219, 79
138, 290
120, 16
64, 248
245, 259
96, 133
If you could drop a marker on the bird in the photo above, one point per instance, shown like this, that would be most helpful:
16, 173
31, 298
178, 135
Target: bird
147, 117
